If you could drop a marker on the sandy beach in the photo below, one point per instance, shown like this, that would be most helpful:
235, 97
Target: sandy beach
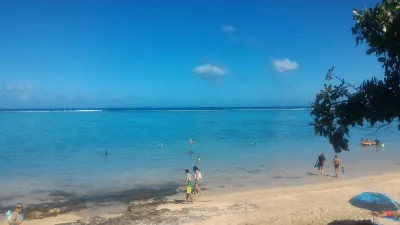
321, 203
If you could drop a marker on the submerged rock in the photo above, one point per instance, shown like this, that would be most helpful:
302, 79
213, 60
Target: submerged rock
66, 202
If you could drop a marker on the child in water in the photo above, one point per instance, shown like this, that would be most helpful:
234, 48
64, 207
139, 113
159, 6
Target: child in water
188, 187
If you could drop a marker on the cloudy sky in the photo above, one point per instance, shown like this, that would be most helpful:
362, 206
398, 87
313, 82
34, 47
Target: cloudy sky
70, 53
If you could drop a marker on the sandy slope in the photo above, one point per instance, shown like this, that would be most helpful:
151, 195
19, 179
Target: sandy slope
303, 205
311, 204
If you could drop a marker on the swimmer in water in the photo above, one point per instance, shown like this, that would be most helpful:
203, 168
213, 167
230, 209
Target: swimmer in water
159, 146
191, 141
253, 143
198, 159
106, 152
190, 151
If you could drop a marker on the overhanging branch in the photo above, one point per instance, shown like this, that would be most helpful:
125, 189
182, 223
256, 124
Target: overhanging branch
344, 82
379, 127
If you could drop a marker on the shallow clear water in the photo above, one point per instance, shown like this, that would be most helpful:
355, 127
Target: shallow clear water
65, 150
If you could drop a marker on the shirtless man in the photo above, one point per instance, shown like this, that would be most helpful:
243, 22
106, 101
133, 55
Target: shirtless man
336, 163
321, 162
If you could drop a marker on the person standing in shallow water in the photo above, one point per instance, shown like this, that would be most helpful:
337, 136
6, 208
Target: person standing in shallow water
336, 163
321, 162
188, 186
191, 141
197, 179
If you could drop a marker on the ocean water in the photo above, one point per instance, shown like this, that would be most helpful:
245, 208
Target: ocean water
48, 150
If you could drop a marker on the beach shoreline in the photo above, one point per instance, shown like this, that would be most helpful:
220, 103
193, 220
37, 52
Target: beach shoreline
319, 203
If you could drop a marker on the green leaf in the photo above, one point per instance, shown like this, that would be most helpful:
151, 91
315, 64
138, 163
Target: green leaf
356, 14
370, 51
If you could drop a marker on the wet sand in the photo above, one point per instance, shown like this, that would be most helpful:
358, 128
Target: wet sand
321, 203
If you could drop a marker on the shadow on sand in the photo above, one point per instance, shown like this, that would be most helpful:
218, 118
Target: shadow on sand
351, 222
315, 174
287, 177
179, 201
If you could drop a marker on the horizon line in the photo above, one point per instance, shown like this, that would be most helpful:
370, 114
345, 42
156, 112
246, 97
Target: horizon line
162, 107
153, 108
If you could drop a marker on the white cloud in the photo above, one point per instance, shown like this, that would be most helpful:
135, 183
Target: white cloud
228, 28
210, 70
25, 96
19, 87
283, 65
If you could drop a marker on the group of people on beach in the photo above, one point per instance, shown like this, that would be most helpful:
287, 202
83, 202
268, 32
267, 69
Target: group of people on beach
321, 162
192, 185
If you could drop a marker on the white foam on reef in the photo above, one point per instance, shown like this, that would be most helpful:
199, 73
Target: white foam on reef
86, 110
27, 111
276, 109
217, 110
177, 110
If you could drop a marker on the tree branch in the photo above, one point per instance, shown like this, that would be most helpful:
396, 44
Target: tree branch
350, 85
339, 102
379, 127
376, 128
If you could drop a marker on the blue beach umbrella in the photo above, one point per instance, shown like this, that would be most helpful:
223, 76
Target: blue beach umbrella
375, 202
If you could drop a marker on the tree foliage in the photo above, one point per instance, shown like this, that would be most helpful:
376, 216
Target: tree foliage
376, 101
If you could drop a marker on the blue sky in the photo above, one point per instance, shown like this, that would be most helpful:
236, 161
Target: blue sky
70, 53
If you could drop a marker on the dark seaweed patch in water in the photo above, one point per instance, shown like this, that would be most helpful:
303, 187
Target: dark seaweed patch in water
277, 177
178, 170
249, 171
62, 193
39, 192
73, 202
